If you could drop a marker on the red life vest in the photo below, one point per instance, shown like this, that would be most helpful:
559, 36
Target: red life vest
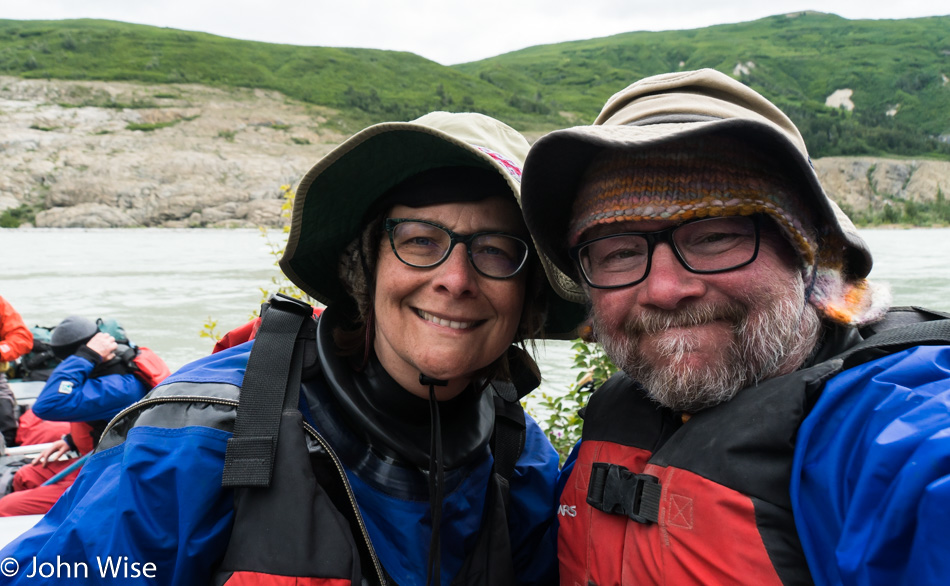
656, 500
699, 521
246, 332
149, 368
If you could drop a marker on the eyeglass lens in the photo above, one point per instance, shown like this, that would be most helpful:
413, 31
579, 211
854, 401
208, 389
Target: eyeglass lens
421, 244
708, 245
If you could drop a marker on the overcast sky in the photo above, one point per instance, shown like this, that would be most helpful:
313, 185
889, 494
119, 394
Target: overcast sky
446, 31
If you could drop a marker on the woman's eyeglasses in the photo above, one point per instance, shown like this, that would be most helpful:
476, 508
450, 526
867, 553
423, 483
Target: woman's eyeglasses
423, 244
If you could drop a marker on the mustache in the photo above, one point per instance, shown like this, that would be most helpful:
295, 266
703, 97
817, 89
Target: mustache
653, 321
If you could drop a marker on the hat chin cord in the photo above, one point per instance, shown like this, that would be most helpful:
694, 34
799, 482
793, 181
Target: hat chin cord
436, 480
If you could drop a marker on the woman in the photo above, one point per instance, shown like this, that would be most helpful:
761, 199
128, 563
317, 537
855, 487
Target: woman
412, 236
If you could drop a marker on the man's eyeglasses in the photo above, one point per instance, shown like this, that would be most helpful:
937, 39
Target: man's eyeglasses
423, 244
704, 246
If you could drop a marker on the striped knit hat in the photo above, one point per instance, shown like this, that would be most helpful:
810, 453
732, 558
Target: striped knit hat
711, 176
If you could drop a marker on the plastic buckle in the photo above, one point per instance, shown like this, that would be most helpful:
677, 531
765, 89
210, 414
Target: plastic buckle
614, 489
288, 303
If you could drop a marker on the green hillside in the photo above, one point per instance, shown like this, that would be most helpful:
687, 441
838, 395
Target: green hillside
796, 60
369, 85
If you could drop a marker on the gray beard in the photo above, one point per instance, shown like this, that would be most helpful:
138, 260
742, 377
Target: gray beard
766, 342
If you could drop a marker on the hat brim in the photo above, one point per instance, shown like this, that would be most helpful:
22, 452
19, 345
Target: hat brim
557, 162
334, 196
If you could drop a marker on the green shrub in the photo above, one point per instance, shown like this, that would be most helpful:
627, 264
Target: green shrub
150, 126
14, 217
560, 419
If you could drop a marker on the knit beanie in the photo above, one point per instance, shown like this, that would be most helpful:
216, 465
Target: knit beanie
70, 334
711, 176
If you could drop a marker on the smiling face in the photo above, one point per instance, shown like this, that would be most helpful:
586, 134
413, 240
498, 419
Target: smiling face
694, 340
447, 321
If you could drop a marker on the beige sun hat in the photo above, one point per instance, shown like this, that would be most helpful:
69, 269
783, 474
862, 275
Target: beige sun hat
334, 196
665, 109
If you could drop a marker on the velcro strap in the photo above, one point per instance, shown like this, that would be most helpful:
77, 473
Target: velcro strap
614, 489
271, 379
252, 457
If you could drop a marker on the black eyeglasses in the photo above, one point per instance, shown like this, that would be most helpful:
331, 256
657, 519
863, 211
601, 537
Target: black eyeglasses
704, 246
423, 244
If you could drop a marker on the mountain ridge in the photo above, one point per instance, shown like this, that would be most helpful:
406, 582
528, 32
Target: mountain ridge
898, 73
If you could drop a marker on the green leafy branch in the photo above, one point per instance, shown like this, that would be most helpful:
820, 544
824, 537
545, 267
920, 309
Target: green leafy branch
563, 423
279, 282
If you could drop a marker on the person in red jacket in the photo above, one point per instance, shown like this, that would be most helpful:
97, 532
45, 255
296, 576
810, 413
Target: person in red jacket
15, 341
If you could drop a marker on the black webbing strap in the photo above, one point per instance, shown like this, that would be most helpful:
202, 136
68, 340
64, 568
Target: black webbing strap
614, 489
902, 316
508, 437
935, 332
249, 460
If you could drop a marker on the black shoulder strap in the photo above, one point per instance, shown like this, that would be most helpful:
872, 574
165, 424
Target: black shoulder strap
508, 437
902, 316
272, 375
901, 329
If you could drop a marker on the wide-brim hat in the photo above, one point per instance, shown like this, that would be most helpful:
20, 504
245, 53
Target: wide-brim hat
332, 199
673, 108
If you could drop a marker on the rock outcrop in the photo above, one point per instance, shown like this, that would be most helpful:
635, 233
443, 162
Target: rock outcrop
862, 182
98, 154
109, 154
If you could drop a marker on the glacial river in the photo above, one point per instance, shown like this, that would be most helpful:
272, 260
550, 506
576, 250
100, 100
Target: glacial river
163, 285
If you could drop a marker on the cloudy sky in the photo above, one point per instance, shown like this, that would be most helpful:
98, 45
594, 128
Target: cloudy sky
446, 31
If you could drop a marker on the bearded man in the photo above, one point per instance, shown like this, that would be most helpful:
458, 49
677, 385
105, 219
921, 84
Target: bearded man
774, 422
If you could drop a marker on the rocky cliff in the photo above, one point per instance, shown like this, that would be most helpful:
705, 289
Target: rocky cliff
100, 154
862, 182
95, 154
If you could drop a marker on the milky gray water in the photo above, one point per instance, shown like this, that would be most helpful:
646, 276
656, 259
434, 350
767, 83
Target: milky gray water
163, 285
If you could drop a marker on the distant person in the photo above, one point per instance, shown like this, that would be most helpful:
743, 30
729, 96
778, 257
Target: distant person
403, 454
773, 424
15, 341
97, 378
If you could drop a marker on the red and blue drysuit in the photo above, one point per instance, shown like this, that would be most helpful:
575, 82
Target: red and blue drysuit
838, 473
152, 493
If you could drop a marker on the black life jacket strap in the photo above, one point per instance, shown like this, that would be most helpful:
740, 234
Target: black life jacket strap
902, 316
272, 374
510, 432
508, 437
901, 329
614, 489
